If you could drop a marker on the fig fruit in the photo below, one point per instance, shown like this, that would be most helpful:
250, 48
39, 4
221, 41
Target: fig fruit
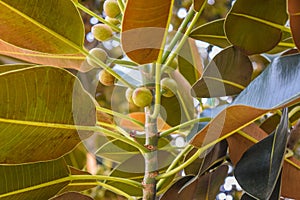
98, 53
142, 97
106, 78
102, 32
111, 8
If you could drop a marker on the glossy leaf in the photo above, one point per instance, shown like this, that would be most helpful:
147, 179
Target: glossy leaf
291, 167
207, 160
33, 181
74, 61
205, 187
143, 28
173, 191
255, 29
280, 78
72, 196
36, 105
198, 4
294, 9
275, 194
237, 141
227, 74
32, 24
134, 167
212, 33
190, 62
258, 170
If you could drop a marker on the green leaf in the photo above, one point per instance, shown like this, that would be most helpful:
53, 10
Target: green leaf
253, 25
12, 67
143, 29
77, 157
259, 168
190, 62
206, 161
72, 195
227, 74
280, 78
205, 187
42, 25
212, 33
75, 61
33, 181
39, 108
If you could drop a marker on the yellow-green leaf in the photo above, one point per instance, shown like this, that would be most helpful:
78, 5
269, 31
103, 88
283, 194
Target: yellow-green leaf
72, 195
40, 180
39, 108
189, 62
212, 32
75, 61
253, 25
49, 26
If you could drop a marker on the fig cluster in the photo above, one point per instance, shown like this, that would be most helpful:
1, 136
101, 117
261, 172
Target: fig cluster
143, 96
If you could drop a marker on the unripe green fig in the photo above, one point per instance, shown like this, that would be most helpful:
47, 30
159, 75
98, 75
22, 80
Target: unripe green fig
113, 21
106, 78
98, 53
169, 87
128, 95
111, 8
102, 32
142, 97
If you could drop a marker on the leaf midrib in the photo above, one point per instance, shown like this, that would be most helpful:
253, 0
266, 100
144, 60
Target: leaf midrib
274, 25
